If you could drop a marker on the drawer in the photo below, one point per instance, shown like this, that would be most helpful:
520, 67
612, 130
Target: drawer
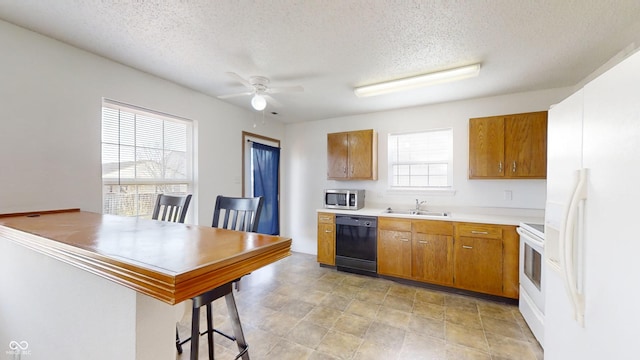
433, 227
479, 231
394, 224
326, 218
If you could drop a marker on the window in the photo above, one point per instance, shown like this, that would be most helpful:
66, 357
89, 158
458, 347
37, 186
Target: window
144, 153
421, 160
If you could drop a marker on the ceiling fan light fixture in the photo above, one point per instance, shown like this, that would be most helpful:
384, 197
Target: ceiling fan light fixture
258, 102
413, 82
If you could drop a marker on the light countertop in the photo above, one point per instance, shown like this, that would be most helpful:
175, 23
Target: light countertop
473, 215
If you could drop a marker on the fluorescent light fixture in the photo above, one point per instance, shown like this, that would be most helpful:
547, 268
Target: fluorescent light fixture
418, 81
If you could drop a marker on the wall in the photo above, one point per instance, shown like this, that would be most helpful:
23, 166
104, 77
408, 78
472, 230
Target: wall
307, 167
50, 125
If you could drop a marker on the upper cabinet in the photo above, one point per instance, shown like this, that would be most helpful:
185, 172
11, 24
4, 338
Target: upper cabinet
508, 146
352, 155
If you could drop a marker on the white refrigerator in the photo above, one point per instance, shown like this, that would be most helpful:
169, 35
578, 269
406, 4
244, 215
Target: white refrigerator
592, 218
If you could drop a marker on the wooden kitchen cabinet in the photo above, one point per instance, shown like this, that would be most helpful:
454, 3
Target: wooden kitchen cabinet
432, 251
394, 247
508, 146
326, 238
352, 155
486, 259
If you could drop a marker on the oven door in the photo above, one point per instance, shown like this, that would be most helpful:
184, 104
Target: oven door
532, 269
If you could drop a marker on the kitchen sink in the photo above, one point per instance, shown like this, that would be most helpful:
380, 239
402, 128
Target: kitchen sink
416, 212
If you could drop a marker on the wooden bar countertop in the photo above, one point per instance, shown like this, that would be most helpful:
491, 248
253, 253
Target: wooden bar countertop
168, 261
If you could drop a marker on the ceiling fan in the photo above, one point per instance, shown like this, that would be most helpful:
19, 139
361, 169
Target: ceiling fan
259, 87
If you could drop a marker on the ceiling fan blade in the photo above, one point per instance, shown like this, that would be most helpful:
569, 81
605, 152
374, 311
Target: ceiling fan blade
282, 89
235, 95
242, 80
272, 101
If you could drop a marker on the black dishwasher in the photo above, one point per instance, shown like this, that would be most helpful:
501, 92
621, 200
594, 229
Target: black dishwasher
356, 244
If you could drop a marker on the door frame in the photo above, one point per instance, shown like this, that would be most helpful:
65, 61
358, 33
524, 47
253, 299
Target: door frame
246, 137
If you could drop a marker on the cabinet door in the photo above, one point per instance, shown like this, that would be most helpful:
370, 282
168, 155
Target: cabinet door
360, 163
394, 253
433, 258
337, 156
526, 145
478, 264
432, 251
486, 147
326, 239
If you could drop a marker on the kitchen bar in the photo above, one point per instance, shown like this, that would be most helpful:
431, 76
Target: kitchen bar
165, 261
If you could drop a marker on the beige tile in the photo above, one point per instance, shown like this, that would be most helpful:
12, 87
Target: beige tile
385, 335
429, 296
352, 324
427, 326
313, 296
297, 308
336, 302
418, 346
402, 291
457, 352
498, 311
464, 317
323, 316
461, 335
339, 345
279, 324
509, 329
363, 309
274, 301
317, 355
371, 296
307, 334
286, 350
398, 303
355, 280
509, 348
374, 351
460, 302
393, 317
430, 310
347, 291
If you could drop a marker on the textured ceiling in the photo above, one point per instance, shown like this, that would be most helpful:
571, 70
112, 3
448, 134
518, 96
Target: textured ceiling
329, 47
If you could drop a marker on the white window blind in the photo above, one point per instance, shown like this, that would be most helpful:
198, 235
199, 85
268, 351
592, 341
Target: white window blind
421, 160
144, 153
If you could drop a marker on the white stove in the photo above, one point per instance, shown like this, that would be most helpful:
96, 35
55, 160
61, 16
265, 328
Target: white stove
532, 277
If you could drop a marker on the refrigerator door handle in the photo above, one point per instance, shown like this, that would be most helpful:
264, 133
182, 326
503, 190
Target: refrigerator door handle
568, 244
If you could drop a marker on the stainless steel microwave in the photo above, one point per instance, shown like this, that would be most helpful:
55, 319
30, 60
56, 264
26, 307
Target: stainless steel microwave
344, 199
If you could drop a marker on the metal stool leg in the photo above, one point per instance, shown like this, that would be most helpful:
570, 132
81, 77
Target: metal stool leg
210, 331
237, 326
178, 345
195, 332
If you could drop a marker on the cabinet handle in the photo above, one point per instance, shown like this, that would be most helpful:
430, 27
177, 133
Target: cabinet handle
404, 239
467, 247
513, 167
500, 167
423, 242
328, 231
325, 218
480, 232
345, 170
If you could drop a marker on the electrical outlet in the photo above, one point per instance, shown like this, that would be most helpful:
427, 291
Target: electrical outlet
508, 195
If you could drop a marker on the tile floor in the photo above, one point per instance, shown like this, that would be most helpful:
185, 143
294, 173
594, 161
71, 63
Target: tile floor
295, 309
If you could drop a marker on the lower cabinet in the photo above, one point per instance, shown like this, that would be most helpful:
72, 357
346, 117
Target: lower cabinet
469, 256
432, 247
327, 238
394, 247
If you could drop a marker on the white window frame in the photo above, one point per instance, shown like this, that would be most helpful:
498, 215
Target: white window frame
135, 183
392, 162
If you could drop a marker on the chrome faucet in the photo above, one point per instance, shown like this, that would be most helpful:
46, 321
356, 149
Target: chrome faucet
418, 203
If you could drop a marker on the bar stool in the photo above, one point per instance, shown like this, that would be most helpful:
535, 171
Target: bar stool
240, 214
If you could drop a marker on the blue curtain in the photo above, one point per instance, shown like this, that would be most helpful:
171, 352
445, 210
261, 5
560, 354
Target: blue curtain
266, 162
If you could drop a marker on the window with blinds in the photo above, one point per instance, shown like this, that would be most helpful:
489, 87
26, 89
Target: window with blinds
144, 153
421, 160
